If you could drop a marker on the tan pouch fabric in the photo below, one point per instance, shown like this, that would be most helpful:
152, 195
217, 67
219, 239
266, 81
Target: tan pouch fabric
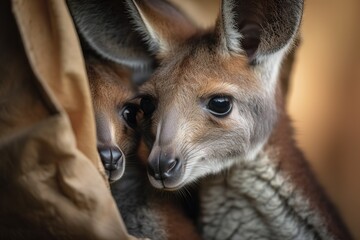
52, 183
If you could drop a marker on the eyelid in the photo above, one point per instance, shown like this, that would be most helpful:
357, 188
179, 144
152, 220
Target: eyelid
153, 99
207, 98
132, 104
146, 95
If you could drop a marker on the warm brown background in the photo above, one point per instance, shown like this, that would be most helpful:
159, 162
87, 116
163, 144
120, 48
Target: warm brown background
324, 96
325, 100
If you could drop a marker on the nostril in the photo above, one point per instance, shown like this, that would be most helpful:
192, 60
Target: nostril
169, 168
105, 155
116, 154
171, 164
111, 157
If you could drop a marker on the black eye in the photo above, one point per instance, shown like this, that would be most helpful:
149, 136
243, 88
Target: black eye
147, 106
219, 106
129, 114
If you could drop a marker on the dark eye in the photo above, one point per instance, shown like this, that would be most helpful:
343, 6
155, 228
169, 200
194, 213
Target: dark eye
147, 106
219, 106
129, 114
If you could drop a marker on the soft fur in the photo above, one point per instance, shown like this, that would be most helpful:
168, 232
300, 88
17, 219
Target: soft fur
254, 182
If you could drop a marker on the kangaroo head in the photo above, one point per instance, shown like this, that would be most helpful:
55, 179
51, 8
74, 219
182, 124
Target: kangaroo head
116, 114
212, 100
122, 59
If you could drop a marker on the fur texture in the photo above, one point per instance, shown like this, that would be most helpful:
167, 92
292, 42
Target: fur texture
267, 191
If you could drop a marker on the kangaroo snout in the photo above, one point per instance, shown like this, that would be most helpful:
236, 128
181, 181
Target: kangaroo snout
165, 169
113, 160
111, 157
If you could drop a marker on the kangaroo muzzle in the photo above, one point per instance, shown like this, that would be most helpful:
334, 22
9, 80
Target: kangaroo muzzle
113, 161
112, 158
165, 169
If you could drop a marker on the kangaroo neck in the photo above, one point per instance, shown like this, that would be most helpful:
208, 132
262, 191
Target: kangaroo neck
273, 196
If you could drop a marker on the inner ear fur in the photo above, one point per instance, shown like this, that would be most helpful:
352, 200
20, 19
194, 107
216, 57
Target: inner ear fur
258, 27
105, 26
161, 24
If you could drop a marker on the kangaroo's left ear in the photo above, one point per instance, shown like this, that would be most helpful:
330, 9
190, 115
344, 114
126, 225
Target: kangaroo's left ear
258, 27
106, 28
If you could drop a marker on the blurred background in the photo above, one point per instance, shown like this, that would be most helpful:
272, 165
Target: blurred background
324, 95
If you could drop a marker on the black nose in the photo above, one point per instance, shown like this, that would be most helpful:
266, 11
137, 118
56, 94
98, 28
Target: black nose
111, 157
164, 167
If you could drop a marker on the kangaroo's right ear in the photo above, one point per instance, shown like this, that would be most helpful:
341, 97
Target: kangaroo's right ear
106, 26
258, 28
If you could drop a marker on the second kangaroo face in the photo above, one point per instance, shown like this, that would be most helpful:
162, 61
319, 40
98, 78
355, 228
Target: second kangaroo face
115, 115
206, 110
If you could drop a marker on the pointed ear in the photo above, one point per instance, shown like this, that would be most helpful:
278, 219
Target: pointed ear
258, 28
105, 27
161, 24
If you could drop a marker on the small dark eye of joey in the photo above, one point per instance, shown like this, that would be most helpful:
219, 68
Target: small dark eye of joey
129, 113
220, 106
147, 105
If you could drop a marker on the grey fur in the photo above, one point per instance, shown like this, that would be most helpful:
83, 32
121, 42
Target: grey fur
254, 200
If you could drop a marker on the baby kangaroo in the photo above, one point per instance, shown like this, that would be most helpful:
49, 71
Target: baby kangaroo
216, 113
145, 212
